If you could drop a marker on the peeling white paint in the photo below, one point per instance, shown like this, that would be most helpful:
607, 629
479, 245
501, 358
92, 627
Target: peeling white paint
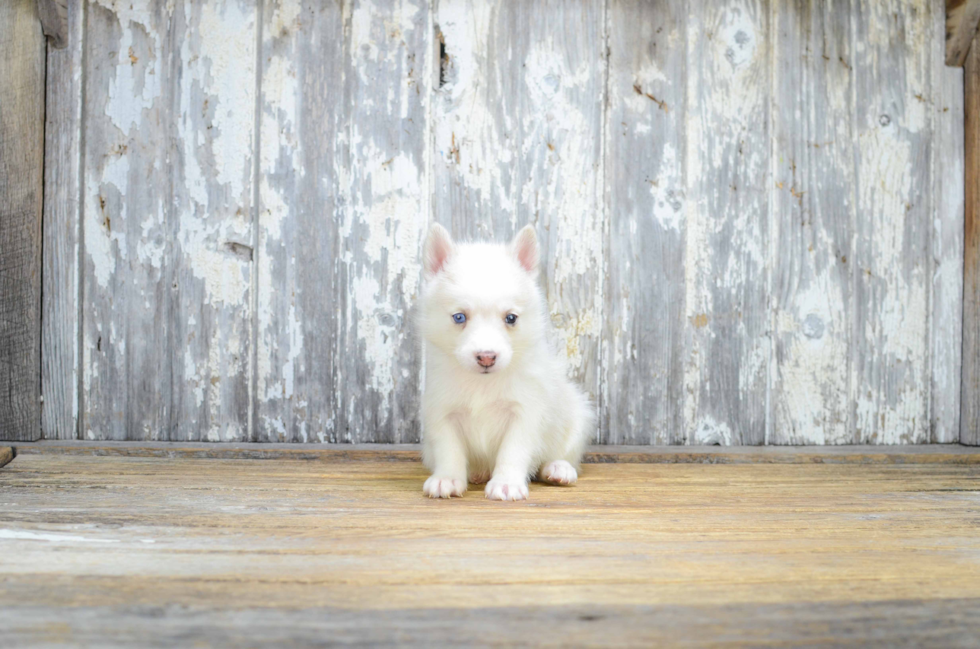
285, 16
227, 56
135, 87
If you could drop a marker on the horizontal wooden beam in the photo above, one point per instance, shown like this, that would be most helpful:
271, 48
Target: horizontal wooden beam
919, 454
962, 18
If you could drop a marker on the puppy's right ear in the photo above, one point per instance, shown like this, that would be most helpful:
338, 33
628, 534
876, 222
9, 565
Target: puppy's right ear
439, 248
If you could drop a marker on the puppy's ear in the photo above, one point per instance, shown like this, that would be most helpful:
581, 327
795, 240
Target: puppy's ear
525, 248
439, 247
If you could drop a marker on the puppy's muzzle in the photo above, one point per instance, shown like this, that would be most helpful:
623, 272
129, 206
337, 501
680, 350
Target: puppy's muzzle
486, 359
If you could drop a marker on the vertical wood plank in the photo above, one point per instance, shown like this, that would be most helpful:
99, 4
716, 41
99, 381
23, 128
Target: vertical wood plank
22, 50
813, 218
970, 400
60, 323
211, 225
302, 198
388, 92
726, 214
645, 330
946, 167
518, 128
128, 275
890, 385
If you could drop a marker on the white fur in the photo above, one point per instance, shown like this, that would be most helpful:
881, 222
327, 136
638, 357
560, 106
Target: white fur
521, 416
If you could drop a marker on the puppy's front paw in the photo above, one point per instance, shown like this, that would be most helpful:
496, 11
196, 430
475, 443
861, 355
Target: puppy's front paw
436, 487
503, 489
558, 472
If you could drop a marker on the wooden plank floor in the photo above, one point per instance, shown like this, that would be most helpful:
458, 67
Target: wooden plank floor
155, 551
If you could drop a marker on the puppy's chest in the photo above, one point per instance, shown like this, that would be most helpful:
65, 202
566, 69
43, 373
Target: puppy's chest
483, 423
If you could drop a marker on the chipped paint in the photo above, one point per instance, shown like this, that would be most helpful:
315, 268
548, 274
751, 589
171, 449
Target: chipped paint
135, 85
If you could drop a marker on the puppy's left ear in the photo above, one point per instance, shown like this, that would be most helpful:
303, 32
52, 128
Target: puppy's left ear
525, 248
439, 248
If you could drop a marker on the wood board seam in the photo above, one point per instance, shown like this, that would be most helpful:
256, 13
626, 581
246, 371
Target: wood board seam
80, 248
601, 285
253, 352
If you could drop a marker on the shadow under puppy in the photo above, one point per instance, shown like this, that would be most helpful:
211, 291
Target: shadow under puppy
497, 407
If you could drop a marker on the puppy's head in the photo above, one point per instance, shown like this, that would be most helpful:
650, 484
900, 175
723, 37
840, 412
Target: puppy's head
480, 302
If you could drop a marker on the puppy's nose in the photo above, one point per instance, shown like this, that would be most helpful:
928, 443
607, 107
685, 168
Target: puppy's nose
486, 359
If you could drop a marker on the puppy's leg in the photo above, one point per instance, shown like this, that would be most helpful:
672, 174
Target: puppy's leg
509, 481
445, 455
578, 429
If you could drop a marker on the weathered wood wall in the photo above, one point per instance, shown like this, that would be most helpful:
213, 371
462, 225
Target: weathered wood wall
752, 212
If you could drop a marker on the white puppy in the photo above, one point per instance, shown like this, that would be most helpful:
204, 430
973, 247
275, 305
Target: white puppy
497, 403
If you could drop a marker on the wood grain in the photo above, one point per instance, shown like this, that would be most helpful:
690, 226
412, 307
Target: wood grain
727, 235
275, 550
21, 196
970, 396
387, 90
890, 623
302, 199
210, 219
128, 231
889, 353
814, 217
645, 329
61, 245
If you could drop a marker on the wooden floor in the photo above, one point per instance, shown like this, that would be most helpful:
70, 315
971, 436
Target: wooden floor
116, 550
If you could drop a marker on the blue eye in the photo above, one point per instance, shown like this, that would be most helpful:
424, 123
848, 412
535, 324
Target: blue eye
459, 318
510, 318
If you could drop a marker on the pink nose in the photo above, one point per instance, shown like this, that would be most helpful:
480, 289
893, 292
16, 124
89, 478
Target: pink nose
486, 359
